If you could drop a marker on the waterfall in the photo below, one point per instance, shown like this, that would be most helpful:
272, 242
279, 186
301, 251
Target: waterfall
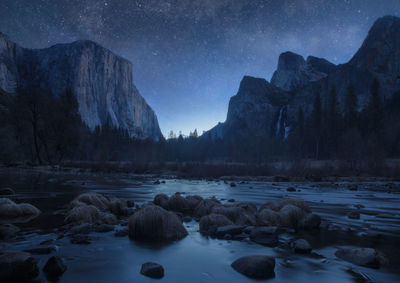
278, 125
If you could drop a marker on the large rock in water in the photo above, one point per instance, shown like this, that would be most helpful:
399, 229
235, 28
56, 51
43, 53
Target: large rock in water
257, 266
101, 81
359, 256
154, 224
11, 212
152, 270
18, 267
54, 268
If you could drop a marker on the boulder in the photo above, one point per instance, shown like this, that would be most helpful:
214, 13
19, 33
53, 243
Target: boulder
266, 236
359, 256
54, 268
204, 207
152, 270
193, 201
268, 217
237, 214
118, 206
11, 212
301, 246
84, 228
161, 200
108, 218
178, 203
83, 213
232, 230
256, 266
311, 221
302, 204
210, 223
270, 204
154, 224
17, 267
8, 231
95, 199
6, 191
291, 216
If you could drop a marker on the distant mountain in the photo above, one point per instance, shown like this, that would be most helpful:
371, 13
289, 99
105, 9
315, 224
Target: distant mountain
270, 109
101, 81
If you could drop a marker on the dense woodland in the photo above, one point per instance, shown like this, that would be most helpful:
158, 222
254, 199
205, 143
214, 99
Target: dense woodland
39, 129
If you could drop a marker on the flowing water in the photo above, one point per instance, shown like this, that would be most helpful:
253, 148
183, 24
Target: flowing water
200, 259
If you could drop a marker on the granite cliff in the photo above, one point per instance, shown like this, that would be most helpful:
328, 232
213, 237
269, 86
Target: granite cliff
270, 109
101, 81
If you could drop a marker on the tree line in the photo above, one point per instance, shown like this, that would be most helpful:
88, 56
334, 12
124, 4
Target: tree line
41, 129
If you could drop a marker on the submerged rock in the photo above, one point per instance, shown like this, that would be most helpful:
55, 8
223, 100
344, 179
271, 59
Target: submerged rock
301, 246
266, 236
154, 224
359, 256
17, 267
81, 239
256, 267
54, 268
152, 270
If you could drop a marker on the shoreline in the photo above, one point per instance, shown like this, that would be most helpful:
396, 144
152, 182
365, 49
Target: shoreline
117, 170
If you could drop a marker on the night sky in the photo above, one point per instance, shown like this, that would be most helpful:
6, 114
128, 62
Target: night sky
189, 56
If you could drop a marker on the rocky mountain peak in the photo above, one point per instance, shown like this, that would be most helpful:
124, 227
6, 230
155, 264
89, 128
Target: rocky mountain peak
294, 72
380, 51
252, 86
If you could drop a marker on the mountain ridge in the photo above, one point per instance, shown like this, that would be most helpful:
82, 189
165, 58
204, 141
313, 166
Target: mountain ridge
101, 81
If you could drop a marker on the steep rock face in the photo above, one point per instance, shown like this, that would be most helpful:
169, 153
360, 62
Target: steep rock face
8, 70
101, 81
294, 72
297, 81
380, 51
253, 110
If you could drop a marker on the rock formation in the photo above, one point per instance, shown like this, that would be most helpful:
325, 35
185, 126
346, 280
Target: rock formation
270, 109
101, 81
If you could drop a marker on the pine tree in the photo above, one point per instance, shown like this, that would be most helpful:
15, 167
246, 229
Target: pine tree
316, 120
350, 108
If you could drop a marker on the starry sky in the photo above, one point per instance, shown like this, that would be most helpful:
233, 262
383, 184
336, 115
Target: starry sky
189, 56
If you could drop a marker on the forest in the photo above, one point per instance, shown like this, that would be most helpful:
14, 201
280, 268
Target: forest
38, 129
